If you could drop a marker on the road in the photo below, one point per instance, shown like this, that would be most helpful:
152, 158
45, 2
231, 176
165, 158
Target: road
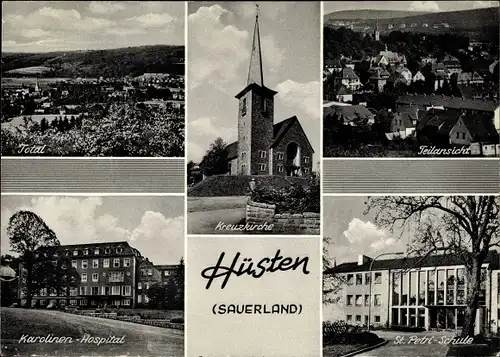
140, 340
401, 346
205, 213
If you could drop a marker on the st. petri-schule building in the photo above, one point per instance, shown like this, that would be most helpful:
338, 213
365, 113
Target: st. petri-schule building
111, 274
425, 292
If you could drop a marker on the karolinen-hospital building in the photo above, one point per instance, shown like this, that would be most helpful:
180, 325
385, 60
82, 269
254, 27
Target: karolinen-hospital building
428, 293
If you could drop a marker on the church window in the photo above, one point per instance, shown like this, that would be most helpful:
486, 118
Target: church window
243, 166
280, 168
244, 106
243, 155
280, 156
306, 159
262, 167
306, 170
262, 154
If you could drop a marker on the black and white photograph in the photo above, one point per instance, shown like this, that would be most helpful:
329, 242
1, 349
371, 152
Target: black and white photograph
93, 78
411, 276
254, 124
411, 79
92, 276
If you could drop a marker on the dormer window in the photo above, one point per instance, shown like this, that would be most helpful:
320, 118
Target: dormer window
107, 250
119, 250
75, 252
96, 251
86, 252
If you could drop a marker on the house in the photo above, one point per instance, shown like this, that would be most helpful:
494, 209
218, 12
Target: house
401, 126
333, 66
435, 126
343, 94
474, 128
385, 58
418, 77
452, 64
379, 78
350, 79
406, 74
469, 78
148, 276
351, 115
265, 147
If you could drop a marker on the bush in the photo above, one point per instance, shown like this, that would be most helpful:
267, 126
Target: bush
403, 328
295, 198
339, 332
177, 320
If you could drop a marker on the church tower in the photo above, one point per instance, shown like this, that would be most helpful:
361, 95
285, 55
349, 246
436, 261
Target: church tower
377, 33
255, 116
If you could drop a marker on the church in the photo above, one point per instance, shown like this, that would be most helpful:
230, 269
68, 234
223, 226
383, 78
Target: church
265, 147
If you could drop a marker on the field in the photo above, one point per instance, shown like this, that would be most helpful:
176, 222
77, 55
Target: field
31, 81
30, 70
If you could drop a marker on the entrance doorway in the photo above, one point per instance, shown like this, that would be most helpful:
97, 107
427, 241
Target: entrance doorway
293, 160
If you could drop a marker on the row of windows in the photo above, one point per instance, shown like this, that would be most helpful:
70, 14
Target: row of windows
359, 301
117, 250
358, 319
84, 302
113, 277
280, 155
359, 278
105, 263
125, 290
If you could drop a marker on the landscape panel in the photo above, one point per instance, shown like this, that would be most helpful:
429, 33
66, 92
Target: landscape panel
93, 79
412, 79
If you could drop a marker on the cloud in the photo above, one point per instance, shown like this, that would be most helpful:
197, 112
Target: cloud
30, 33
272, 10
206, 130
363, 232
153, 20
75, 220
60, 14
430, 6
304, 96
105, 7
216, 50
274, 55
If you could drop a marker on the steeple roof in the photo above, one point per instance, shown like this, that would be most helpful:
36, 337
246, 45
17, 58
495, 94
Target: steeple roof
255, 74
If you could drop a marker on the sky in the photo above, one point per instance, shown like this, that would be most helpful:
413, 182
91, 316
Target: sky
431, 6
153, 225
353, 233
44, 26
219, 44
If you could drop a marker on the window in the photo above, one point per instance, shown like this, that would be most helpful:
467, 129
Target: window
139, 286
359, 300
358, 318
146, 299
367, 278
116, 263
126, 262
73, 302
306, 159
262, 154
349, 318
116, 277
126, 290
105, 263
83, 290
243, 155
463, 135
244, 106
367, 300
74, 264
349, 300
458, 135
96, 251
95, 263
84, 277
115, 290
126, 302
166, 273
107, 250
95, 277
262, 167
75, 252
73, 292
85, 252
280, 156
377, 318
350, 279
85, 264
306, 170
376, 300
150, 272
119, 250
139, 299
280, 168
359, 279
243, 167
264, 105
94, 290
146, 286
378, 278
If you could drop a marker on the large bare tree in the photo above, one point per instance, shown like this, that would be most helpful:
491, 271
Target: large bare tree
332, 282
465, 226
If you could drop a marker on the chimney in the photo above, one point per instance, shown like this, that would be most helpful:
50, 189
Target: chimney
334, 263
363, 259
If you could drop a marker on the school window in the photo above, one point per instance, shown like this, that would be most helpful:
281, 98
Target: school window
377, 318
94, 290
84, 277
262, 154
358, 318
359, 279
262, 167
74, 264
280, 156
349, 318
367, 300
280, 168
150, 272
95, 263
378, 278
126, 262
116, 262
359, 300
139, 299
376, 300
73, 292
243, 167
349, 300
243, 155
367, 278
105, 263
166, 273
244, 106
73, 302
126, 302
95, 277
85, 264
350, 279
463, 135
116, 277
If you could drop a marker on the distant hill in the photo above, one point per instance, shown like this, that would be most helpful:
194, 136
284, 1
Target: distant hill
95, 63
369, 14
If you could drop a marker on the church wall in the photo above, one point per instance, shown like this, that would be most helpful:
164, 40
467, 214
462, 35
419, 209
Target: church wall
244, 134
295, 134
262, 133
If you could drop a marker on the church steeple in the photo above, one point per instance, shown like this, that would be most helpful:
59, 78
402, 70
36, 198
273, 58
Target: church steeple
255, 74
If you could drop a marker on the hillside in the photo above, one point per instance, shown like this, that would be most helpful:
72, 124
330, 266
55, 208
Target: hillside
368, 14
95, 63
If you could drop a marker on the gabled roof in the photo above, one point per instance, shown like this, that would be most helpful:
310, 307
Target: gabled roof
342, 90
480, 127
348, 73
380, 73
442, 120
447, 102
281, 128
406, 119
349, 113
409, 263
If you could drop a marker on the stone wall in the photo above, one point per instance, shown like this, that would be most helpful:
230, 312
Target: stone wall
286, 223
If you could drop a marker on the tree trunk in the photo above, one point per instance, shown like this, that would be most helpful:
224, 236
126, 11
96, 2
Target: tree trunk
29, 290
473, 287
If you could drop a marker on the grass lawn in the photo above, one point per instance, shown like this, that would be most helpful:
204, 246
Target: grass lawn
151, 314
199, 204
341, 350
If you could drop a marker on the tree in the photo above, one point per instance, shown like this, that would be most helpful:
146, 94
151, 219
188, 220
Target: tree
27, 233
179, 282
215, 160
332, 283
465, 226
156, 295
